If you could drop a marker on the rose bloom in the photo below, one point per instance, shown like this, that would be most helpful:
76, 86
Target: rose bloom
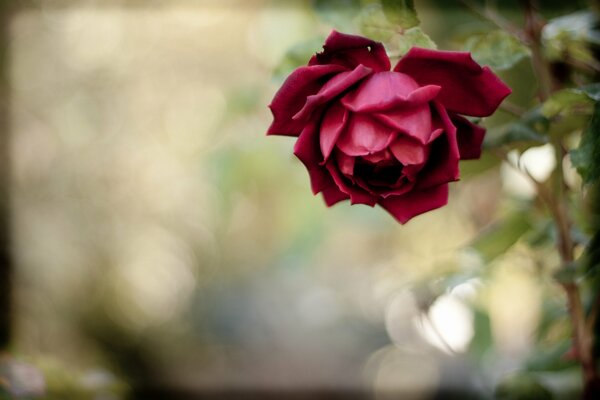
376, 136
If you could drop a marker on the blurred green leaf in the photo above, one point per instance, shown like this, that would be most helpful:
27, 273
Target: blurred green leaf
374, 24
499, 237
339, 13
401, 13
566, 102
413, 37
498, 49
531, 129
572, 36
592, 91
522, 386
471, 168
586, 158
482, 341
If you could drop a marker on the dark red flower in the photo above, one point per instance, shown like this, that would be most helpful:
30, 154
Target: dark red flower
376, 136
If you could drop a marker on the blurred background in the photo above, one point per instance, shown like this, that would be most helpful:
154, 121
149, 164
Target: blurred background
164, 246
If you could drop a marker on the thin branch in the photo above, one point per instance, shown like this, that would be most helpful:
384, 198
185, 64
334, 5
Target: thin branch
512, 108
491, 15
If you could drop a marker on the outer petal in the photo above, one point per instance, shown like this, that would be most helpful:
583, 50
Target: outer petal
467, 88
292, 95
442, 165
334, 87
364, 135
333, 195
470, 137
307, 150
415, 202
350, 51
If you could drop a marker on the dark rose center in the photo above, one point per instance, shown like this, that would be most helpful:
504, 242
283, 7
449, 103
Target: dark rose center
384, 173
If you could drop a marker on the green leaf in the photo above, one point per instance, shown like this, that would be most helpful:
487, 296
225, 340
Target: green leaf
401, 13
566, 102
374, 24
498, 49
483, 339
502, 235
586, 158
413, 37
531, 129
521, 386
571, 37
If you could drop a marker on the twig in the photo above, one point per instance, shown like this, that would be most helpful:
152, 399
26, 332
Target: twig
512, 108
489, 14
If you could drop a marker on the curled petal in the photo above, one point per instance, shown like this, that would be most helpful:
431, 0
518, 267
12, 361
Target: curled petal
345, 163
357, 195
332, 126
334, 87
388, 90
414, 121
290, 98
363, 135
415, 202
442, 164
467, 88
470, 137
409, 151
383, 155
350, 51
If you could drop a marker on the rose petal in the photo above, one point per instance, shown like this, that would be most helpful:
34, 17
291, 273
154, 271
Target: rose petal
470, 137
383, 155
357, 195
442, 164
307, 150
415, 202
331, 128
292, 95
350, 51
345, 163
332, 195
334, 87
409, 151
414, 121
388, 90
364, 135
467, 88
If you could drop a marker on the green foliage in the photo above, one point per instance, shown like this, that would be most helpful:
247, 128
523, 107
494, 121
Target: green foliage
531, 129
500, 237
522, 386
373, 23
572, 37
413, 37
498, 49
566, 102
339, 13
401, 13
586, 157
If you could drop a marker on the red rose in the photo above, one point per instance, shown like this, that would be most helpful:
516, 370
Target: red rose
376, 136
